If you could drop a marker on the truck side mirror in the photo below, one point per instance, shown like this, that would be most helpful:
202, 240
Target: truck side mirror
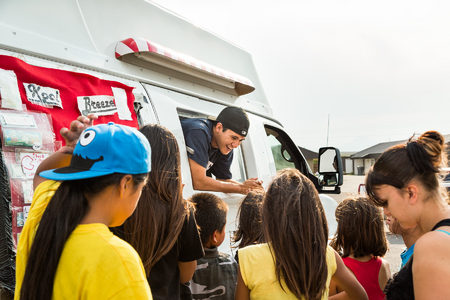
330, 169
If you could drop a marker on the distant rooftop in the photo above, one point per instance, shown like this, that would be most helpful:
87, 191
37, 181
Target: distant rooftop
376, 150
347, 153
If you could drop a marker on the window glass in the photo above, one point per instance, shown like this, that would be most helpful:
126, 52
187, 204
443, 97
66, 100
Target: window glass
281, 156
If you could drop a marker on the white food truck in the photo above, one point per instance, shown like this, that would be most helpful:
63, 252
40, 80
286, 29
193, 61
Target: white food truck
135, 63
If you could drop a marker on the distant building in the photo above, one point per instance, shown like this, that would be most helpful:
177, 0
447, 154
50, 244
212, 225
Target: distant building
347, 162
311, 157
363, 160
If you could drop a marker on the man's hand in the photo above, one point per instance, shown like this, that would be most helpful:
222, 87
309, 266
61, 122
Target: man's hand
252, 184
76, 127
202, 182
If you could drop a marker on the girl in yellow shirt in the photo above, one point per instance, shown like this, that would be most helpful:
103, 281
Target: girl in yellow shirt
66, 250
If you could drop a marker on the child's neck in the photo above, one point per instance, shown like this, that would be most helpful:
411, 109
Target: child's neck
364, 258
209, 245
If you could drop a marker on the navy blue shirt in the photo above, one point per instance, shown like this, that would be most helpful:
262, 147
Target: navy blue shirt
198, 135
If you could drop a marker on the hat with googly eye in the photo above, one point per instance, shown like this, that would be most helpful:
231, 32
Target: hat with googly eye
106, 149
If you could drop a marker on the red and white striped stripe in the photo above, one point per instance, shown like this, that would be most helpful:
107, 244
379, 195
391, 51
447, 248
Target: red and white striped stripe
135, 45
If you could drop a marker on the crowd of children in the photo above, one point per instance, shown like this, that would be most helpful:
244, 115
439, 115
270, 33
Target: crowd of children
104, 225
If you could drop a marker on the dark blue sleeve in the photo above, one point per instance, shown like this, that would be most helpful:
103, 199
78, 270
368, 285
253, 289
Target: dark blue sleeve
221, 168
197, 146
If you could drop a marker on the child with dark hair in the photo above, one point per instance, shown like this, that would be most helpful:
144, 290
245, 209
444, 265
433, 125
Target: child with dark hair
361, 241
216, 273
250, 229
295, 262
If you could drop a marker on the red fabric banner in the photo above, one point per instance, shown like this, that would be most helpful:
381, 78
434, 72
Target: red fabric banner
67, 86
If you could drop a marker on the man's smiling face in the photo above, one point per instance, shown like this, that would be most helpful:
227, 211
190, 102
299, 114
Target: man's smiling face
226, 140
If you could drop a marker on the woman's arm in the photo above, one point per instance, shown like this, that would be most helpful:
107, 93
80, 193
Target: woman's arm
346, 281
62, 157
242, 291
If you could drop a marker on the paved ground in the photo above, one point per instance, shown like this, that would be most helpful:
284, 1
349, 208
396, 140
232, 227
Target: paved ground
349, 188
396, 245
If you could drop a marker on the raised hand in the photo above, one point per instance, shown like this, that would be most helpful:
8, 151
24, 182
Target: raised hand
76, 127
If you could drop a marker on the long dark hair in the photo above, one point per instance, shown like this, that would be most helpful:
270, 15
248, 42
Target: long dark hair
360, 229
64, 212
250, 228
296, 229
419, 158
154, 226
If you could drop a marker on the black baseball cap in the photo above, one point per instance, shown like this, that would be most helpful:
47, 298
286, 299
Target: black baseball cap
234, 118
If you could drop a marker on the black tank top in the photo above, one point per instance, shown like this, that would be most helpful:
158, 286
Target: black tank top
401, 285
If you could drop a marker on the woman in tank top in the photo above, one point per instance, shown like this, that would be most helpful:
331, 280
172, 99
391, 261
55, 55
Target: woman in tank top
405, 182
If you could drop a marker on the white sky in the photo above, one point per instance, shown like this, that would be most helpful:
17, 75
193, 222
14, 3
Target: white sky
381, 69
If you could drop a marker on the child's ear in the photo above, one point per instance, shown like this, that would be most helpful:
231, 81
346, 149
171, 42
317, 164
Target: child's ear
125, 184
215, 238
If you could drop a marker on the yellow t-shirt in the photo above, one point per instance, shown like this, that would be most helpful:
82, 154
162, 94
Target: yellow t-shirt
257, 269
94, 264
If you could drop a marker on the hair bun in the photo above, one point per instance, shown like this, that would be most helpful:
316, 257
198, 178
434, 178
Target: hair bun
434, 144
433, 137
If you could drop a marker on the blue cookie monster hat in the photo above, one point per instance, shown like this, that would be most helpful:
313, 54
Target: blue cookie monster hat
105, 149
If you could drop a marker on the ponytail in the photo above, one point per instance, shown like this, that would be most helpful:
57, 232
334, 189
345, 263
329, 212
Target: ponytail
64, 212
